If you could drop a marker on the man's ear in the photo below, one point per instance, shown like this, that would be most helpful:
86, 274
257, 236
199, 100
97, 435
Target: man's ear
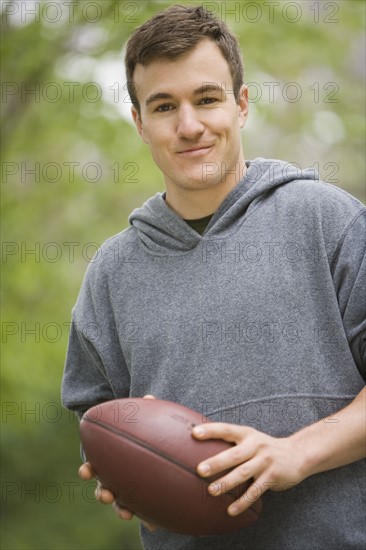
137, 120
243, 105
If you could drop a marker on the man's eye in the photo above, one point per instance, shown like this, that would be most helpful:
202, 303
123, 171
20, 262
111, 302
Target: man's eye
208, 100
164, 108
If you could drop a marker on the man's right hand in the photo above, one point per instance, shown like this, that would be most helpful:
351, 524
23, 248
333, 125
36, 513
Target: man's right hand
106, 497
103, 495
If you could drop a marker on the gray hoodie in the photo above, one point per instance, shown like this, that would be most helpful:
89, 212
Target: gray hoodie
260, 321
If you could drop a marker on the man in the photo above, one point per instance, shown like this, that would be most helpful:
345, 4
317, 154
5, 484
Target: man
238, 292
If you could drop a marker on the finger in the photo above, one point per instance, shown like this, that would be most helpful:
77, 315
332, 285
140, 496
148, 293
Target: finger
122, 513
103, 495
126, 515
235, 477
221, 430
251, 495
225, 460
150, 526
86, 471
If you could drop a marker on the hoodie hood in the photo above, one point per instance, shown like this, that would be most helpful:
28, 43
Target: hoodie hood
162, 231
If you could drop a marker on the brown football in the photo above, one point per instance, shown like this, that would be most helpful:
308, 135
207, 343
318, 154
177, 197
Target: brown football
144, 452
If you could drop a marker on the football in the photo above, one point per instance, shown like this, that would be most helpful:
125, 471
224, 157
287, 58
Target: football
144, 452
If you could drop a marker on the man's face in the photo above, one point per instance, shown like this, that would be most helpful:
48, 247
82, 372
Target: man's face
190, 119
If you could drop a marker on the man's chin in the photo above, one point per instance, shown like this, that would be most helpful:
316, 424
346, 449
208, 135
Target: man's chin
199, 185
197, 179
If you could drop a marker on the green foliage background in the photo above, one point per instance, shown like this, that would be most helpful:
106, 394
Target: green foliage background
76, 136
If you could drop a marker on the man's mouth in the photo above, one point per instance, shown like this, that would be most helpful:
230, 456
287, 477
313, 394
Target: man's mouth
195, 150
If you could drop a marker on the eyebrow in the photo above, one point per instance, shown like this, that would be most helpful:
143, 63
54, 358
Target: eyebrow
199, 91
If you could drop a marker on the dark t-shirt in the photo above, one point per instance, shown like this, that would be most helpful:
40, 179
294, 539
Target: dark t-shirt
200, 224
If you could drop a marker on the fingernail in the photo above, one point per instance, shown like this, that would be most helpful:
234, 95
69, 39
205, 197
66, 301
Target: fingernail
233, 510
198, 431
213, 489
204, 469
149, 526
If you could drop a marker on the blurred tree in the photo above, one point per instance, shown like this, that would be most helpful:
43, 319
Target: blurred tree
73, 168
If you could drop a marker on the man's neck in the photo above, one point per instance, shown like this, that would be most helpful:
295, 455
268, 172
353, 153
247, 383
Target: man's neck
193, 204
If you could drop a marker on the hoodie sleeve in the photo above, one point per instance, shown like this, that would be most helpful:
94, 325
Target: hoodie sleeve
95, 369
349, 276
85, 381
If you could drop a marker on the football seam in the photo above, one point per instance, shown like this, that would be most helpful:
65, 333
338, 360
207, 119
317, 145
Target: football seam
143, 444
159, 453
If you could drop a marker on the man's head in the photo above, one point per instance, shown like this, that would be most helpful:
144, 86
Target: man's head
189, 104
174, 32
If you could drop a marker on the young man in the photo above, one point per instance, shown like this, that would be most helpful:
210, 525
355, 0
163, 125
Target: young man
238, 292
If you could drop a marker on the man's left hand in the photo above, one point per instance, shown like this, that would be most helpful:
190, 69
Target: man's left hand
273, 463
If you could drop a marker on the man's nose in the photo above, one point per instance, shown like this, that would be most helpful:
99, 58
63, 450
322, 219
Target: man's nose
189, 125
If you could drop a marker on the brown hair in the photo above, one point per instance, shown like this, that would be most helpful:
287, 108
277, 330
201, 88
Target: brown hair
175, 31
